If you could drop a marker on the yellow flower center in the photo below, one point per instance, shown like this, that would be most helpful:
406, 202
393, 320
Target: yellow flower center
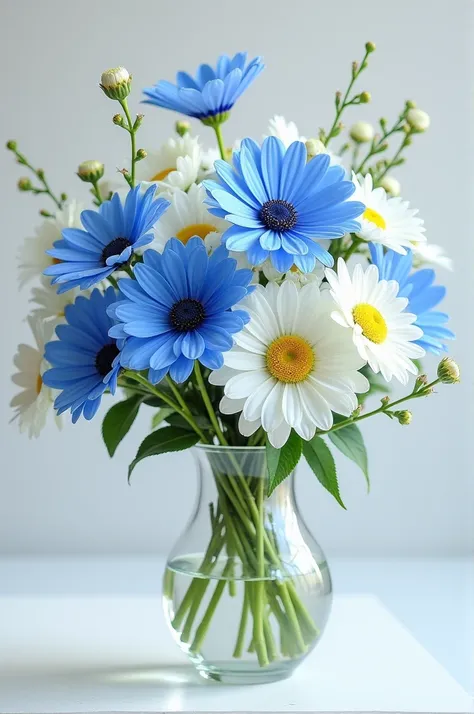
55, 261
196, 229
162, 174
294, 269
290, 359
375, 218
373, 325
39, 383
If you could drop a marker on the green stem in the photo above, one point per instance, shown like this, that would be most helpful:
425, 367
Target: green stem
208, 404
96, 192
239, 645
164, 397
211, 608
344, 102
124, 105
177, 395
259, 586
396, 156
353, 247
220, 139
384, 408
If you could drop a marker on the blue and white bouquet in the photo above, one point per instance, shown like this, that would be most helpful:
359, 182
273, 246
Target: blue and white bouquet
252, 296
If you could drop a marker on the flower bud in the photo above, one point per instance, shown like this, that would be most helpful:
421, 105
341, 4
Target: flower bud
370, 47
365, 97
391, 185
314, 147
46, 214
40, 173
418, 119
138, 121
404, 417
63, 197
410, 104
141, 154
11, 145
24, 184
116, 83
182, 127
385, 400
117, 119
448, 371
361, 132
90, 171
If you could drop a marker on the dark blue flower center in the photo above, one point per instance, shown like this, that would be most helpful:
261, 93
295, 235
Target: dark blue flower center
278, 215
104, 358
115, 247
187, 314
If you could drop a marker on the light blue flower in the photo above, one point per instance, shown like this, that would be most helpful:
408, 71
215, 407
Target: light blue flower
281, 205
110, 237
85, 360
422, 295
212, 93
179, 309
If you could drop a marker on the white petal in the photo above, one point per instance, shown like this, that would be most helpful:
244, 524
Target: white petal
244, 361
247, 428
231, 406
272, 414
279, 436
242, 385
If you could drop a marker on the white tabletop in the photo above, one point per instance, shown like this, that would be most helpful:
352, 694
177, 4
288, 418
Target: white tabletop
113, 653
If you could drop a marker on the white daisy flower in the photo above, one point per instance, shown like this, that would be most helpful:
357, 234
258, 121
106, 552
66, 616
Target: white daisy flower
389, 221
432, 254
206, 170
286, 131
48, 305
175, 166
291, 366
382, 331
32, 258
187, 216
32, 404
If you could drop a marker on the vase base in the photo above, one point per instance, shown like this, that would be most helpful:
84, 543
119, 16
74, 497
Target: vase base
244, 673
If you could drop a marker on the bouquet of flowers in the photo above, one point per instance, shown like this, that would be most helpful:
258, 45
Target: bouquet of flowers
252, 296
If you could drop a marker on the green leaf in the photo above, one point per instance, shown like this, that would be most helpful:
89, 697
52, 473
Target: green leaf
177, 420
320, 460
161, 416
161, 441
350, 442
118, 421
281, 462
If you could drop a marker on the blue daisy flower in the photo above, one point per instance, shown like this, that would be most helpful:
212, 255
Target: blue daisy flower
179, 309
111, 235
280, 204
212, 93
85, 360
422, 295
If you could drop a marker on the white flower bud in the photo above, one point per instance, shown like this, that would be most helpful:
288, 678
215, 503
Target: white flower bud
90, 171
361, 132
448, 371
391, 185
116, 83
314, 147
418, 119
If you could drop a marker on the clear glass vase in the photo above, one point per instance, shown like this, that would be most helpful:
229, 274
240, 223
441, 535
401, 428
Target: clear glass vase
247, 590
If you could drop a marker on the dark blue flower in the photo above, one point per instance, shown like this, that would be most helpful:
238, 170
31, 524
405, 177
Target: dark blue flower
179, 309
110, 237
85, 360
280, 204
212, 93
422, 295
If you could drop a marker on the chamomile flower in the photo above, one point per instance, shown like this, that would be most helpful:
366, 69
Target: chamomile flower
385, 220
33, 259
432, 254
175, 166
383, 332
187, 216
286, 131
291, 366
35, 400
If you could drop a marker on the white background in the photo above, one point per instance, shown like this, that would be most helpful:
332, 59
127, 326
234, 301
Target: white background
62, 493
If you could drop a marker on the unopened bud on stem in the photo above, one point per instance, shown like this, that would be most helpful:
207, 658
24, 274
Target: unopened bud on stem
116, 83
90, 171
448, 371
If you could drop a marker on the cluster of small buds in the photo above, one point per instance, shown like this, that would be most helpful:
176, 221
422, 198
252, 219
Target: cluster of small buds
116, 83
448, 371
391, 185
418, 119
361, 132
90, 171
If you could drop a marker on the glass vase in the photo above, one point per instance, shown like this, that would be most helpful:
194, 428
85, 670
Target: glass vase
247, 589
